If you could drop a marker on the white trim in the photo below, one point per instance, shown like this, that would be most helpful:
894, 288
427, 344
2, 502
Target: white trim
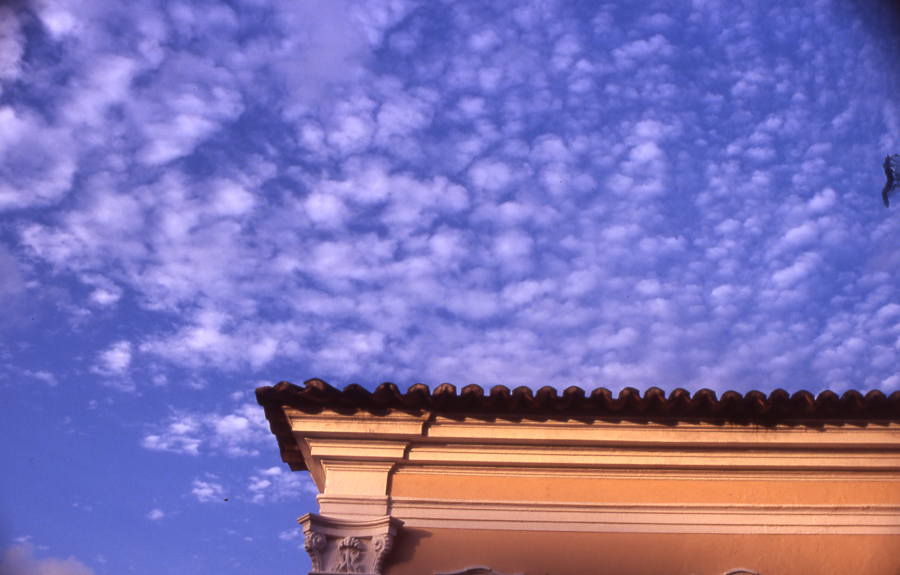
606, 457
632, 473
644, 518
612, 431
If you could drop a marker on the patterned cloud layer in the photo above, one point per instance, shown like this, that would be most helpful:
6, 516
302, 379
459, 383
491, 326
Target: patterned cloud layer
198, 197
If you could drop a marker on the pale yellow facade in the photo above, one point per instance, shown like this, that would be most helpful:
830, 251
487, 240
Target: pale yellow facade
570, 496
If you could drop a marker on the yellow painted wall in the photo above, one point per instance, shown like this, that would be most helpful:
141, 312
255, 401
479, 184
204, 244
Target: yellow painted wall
536, 553
835, 490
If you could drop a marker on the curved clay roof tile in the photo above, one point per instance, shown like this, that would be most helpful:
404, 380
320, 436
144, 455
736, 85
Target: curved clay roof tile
573, 398
756, 403
629, 400
803, 402
655, 401
601, 399
355, 394
387, 394
316, 395
416, 396
471, 397
500, 398
545, 398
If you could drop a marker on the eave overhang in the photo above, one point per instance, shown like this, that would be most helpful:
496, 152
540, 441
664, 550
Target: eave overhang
399, 417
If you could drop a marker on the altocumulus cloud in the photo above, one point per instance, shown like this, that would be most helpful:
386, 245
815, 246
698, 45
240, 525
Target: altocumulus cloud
194, 195
237, 433
275, 484
208, 489
664, 196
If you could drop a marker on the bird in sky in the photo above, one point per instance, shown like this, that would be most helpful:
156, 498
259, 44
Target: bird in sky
890, 172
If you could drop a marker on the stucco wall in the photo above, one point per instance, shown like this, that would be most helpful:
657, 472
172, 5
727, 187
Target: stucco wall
537, 553
775, 487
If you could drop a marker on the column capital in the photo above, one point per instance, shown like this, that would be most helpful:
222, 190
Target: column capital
338, 546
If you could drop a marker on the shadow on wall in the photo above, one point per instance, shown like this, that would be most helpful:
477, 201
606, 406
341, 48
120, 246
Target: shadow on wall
409, 540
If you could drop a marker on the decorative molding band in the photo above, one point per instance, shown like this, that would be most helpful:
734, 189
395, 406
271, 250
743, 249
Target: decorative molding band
337, 546
356, 449
653, 458
647, 518
872, 435
352, 507
688, 474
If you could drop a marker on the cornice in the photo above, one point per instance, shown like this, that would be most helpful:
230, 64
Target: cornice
572, 418
627, 518
646, 518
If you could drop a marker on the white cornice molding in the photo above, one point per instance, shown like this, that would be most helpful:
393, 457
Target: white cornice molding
647, 518
357, 449
873, 434
416, 440
395, 424
675, 473
669, 457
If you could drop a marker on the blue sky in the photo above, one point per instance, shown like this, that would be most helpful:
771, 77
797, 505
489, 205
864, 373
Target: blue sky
200, 198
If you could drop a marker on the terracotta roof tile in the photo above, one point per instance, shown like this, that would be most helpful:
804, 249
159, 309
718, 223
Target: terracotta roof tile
778, 405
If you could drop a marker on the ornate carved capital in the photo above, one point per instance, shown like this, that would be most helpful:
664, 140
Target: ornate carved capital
338, 546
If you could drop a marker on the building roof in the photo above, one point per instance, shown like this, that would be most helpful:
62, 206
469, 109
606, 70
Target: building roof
779, 405
753, 407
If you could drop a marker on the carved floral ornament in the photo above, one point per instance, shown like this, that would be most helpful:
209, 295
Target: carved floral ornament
337, 546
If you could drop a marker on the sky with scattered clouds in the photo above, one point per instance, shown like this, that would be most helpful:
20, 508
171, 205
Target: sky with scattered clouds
197, 198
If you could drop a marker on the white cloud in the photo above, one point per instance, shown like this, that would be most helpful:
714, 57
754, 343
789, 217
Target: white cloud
114, 360
237, 433
823, 200
182, 434
12, 278
605, 200
632, 52
43, 376
191, 100
490, 175
290, 534
37, 163
207, 491
12, 45
232, 200
275, 484
799, 269
512, 247
59, 18
19, 560
156, 514
326, 210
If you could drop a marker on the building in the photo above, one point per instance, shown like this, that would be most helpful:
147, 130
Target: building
571, 483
